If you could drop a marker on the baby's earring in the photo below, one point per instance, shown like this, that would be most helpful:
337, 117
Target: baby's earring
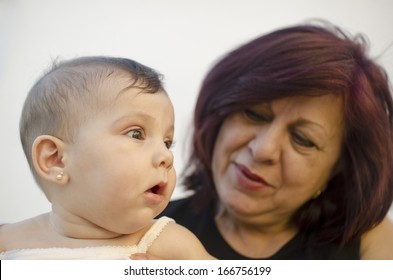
59, 176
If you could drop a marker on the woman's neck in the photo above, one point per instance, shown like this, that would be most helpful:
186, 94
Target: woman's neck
255, 237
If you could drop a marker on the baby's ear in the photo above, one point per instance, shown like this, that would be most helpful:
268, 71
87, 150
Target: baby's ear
48, 159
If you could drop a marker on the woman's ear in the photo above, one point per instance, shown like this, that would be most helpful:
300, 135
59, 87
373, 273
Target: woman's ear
48, 159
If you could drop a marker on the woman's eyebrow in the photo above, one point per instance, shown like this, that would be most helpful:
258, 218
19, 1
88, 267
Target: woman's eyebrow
306, 122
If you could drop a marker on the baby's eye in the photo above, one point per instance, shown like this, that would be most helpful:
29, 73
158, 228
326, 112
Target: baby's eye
136, 134
169, 144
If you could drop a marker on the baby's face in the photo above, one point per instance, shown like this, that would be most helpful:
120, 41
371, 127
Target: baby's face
120, 162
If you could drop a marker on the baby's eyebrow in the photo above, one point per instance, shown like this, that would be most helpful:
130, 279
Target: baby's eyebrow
139, 116
133, 116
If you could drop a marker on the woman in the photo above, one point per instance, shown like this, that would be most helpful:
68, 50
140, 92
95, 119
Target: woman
292, 151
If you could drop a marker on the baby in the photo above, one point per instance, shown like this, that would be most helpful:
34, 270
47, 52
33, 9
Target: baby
97, 133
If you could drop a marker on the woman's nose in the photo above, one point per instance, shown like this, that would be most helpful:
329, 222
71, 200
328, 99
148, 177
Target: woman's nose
266, 145
163, 157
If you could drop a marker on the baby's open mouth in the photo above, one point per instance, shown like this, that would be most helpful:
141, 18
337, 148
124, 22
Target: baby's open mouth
154, 189
156, 194
157, 189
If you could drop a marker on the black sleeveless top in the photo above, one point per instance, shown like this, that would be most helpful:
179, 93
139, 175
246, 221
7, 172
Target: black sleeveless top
202, 224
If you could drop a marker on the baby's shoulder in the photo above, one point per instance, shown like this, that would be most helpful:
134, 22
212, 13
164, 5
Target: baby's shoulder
7, 236
177, 242
2, 237
16, 235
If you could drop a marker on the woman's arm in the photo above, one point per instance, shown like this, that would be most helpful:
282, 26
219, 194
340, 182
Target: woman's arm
377, 244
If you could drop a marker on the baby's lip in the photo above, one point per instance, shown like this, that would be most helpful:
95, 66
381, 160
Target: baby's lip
157, 189
156, 194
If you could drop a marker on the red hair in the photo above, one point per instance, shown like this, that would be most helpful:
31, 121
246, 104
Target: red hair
308, 59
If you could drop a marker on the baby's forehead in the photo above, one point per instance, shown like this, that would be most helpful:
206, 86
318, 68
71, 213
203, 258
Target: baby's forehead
118, 87
146, 109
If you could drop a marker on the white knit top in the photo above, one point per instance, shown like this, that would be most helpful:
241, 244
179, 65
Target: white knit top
90, 253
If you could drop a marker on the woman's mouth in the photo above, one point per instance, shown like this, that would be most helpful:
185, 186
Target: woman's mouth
248, 179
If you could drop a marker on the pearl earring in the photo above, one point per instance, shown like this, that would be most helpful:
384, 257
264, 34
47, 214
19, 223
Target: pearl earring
59, 176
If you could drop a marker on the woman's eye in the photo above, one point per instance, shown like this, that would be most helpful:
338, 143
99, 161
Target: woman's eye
136, 134
256, 116
302, 140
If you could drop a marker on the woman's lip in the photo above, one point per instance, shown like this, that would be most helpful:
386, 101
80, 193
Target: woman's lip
249, 179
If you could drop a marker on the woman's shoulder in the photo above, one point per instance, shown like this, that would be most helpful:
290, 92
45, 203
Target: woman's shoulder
318, 250
377, 243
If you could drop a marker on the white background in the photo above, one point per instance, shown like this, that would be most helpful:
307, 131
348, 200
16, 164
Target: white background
179, 38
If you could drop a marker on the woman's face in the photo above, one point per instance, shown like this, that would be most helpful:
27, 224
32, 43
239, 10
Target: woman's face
271, 158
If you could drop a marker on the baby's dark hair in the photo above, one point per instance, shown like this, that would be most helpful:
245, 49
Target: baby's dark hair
73, 90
